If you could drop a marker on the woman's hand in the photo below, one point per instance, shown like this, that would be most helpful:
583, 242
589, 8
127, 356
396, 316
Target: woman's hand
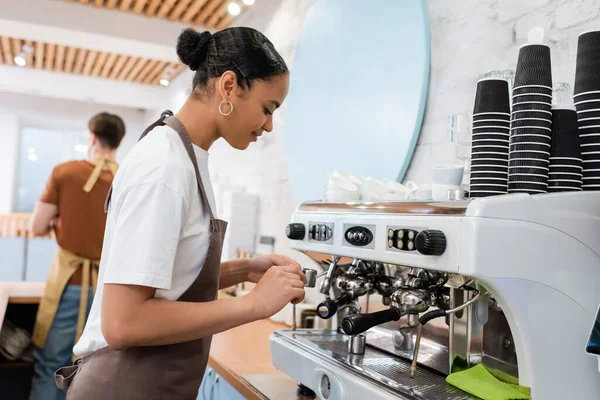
279, 286
259, 265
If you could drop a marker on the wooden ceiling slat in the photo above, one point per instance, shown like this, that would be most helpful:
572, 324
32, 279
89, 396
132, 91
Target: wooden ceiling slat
7, 51
30, 55
125, 5
118, 66
164, 9
17, 47
206, 12
192, 11
145, 71
177, 70
79, 61
99, 63
111, 4
49, 60
1, 54
225, 22
157, 71
178, 10
89, 62
60, 58
156, 79
70, 59
127, 68
136, 69
138, 7
98, 3
39, 55
108, 65
84, 2
151, 9
217, 15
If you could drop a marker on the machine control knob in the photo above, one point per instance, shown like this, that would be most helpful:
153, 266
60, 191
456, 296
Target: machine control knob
431, 242
295, 231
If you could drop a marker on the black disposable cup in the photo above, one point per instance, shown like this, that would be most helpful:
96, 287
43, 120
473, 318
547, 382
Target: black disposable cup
533, 66
534, 89
505, 116
542, 114
529, 146
477, 143
492, 96
536, 138
480, 194
532, 106
528, 163
491, 122
587, 114
528, 170
525, 98
531, 122
588, 105
587, 66
488, 188
496, 168
490, 155
590, 138
536, 178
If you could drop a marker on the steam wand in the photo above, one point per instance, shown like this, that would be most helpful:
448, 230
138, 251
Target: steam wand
428, 317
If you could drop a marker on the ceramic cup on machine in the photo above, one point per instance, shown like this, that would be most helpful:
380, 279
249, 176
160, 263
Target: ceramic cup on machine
445, 178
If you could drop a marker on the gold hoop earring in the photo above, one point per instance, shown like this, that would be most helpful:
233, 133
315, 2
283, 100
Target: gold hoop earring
230, 109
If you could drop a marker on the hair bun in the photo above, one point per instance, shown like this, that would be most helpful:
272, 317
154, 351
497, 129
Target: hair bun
192, 47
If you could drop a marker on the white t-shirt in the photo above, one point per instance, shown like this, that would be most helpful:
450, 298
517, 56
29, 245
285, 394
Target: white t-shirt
157, 231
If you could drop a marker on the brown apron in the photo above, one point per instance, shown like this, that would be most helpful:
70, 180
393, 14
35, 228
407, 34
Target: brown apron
170, 372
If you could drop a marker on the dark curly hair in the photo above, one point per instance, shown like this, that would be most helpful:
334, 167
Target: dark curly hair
245, 51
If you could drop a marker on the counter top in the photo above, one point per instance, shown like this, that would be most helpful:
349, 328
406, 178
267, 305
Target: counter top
242, 356
19, 292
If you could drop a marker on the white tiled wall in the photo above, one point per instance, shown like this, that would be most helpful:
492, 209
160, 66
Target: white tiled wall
468, 38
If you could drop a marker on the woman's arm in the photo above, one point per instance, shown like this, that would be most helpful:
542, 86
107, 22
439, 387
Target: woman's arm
233, 272
132, 317
250, 269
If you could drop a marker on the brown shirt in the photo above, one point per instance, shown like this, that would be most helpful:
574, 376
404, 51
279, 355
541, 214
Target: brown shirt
81, 217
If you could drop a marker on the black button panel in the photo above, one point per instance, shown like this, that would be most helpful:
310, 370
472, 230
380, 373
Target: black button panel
320, 232
402, 239
358, 236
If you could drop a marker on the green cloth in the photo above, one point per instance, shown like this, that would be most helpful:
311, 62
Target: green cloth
481, 383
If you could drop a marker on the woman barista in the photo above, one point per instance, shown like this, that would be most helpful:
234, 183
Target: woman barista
150, 327
72, 203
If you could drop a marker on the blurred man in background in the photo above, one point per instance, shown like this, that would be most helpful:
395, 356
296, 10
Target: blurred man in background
72, 205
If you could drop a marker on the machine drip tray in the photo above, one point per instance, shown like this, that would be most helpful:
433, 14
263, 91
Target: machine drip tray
389, 372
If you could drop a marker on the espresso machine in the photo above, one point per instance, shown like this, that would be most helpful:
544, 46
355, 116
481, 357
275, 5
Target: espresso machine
418, 290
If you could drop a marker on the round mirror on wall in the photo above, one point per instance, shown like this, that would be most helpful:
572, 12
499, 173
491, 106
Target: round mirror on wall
359, 84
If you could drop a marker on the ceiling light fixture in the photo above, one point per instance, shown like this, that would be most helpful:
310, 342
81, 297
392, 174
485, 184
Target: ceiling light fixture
248, 2
21, 59
166, 78
234, 8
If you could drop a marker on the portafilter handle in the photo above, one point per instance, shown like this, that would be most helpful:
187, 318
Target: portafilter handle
359, 323
327, 308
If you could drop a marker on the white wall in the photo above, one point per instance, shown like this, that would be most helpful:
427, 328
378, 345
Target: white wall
468, 38
17, 111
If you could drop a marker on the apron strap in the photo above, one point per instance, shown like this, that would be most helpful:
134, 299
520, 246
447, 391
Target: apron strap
93, 178
158, 122
176, 124
169, 119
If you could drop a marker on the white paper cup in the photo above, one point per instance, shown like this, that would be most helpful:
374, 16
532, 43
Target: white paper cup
451, 175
